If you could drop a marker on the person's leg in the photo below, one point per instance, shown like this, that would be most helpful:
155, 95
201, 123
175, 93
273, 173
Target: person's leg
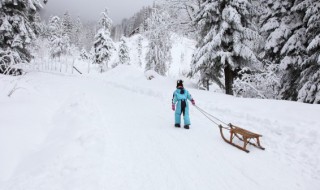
177, 115
186, 118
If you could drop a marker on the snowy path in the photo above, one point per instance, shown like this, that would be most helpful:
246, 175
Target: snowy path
105, 133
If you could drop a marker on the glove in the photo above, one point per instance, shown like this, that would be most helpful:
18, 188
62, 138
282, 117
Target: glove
193, 102
173, 107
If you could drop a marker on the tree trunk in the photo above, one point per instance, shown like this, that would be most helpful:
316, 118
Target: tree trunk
228, 73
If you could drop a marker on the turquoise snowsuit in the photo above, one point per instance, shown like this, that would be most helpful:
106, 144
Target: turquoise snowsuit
180, 97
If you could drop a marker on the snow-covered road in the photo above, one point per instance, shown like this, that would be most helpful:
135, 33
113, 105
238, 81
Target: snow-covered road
115, 131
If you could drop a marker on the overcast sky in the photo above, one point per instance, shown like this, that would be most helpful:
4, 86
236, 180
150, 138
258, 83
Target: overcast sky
91, 9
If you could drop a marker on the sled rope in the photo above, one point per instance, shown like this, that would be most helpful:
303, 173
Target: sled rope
209, 116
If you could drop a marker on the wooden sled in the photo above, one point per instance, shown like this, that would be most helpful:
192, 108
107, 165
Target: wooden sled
243, 135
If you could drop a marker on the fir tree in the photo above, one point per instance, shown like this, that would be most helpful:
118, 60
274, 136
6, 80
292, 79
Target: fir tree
59, 41
124, 57
67, 25
182, 14
103, 44
284, 44
84, 55
88, 34
140, 49
77, 32
309, 80
312, 20
226, 40
292, 28
17, 30
262, 84
282, 29
158, 57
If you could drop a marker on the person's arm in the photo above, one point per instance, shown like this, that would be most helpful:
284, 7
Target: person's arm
189, 97
174, 98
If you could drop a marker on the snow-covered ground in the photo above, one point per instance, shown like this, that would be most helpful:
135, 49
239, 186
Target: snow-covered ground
115, 131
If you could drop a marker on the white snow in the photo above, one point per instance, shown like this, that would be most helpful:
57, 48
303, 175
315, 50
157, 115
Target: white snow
115, 131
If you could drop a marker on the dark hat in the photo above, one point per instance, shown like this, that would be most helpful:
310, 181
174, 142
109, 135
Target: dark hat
179, 83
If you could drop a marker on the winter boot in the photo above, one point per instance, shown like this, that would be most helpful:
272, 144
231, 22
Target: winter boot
177, 125
186, 127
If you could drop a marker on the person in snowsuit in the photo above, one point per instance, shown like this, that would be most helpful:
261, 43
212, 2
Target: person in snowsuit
180, 105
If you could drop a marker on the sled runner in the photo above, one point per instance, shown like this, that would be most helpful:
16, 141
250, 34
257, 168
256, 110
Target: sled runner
243, 135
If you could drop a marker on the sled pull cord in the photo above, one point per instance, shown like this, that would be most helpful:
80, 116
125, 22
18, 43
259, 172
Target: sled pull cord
206, 114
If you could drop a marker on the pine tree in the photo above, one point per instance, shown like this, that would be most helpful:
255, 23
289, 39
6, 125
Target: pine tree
77, 33
103, 44
58, 39
158, 57
226, 40
17, 30
182, 14
140, 49
124, 52
38, 25
292, 29
285, 42
67, 25
312, 20
84, 55
261, 84
87, 35
138, 21
282, 29
309, 80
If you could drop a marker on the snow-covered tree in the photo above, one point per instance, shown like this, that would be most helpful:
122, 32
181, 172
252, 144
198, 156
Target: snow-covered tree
87, 35
84, 55
77, 33
38, 24
158, 57
291, 29
312, 19
282, 29
67, 25
123, 53
136, 23
103, 44
140, 49
284, 44
182, 14
309, 85
227, 36
309, 80
262, 84
59, 41
17, 30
